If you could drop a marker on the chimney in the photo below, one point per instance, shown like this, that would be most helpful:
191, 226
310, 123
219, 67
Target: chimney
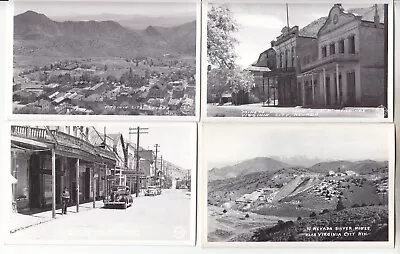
272, 44
376, 17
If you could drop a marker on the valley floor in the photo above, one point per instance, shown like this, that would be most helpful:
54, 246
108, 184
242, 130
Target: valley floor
233, 226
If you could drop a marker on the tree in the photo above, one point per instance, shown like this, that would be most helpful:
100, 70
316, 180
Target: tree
226, 75
105, 67
220, 40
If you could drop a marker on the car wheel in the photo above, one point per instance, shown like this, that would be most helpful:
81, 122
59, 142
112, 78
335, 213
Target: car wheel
125, 205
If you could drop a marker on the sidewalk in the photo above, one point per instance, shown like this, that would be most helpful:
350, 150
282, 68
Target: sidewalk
20, 221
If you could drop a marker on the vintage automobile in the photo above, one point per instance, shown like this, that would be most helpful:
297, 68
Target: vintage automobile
158, 190
151, 191
120, 197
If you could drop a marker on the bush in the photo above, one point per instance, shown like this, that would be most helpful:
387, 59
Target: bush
299, 218
313, 214
355, 205
224, 211
247, 215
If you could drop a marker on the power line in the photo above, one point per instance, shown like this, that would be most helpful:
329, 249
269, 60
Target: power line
137, 131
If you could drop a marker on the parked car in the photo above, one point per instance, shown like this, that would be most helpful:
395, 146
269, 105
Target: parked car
151, 191
119, 197
158, 190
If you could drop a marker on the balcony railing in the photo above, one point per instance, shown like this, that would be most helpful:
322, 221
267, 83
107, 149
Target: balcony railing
41, 134
331, 59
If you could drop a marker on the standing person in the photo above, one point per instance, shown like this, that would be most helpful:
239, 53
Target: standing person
65, 200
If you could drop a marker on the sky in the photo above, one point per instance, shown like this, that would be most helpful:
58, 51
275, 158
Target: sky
63, 8
324, 141
177, 141
260, 23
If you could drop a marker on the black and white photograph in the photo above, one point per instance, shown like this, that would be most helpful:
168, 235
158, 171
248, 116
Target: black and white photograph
113, 184
298, 183
297, 60
105, 58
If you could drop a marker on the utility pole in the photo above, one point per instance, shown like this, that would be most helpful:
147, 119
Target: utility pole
162, 173
155, 165
137, 131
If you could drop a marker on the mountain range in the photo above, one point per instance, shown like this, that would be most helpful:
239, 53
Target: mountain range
268, 186
272, 164
137, 22
259, 164
37, 35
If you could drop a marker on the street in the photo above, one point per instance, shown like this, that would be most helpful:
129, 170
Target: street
257, 110
160, 218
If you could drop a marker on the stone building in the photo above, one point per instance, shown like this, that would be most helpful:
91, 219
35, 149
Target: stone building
349, 69
333, 62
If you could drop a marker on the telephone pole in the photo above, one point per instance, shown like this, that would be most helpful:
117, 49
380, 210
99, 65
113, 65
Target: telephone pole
137, 131
162, 173
155, 165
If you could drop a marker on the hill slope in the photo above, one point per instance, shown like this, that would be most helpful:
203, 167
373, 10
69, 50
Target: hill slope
37, 35
260, 164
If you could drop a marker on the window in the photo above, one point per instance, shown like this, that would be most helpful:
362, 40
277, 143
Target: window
352, 45
332, 49
324, 51
286, 58
280, 60
292, 56
341, 47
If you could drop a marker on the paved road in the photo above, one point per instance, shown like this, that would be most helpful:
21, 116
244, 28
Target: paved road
257, 110
161, 218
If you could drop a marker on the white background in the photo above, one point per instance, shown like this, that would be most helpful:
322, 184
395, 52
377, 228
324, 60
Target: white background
6, 79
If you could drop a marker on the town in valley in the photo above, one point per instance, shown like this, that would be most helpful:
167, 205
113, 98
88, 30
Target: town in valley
106, 66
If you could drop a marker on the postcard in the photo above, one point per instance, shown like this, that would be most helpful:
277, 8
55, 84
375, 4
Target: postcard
297, 185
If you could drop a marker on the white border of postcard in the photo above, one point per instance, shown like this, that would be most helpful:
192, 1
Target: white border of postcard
203, 206
5, 148
390, 82
31, 117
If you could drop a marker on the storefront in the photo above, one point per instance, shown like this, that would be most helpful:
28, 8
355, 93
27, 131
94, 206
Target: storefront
78, 166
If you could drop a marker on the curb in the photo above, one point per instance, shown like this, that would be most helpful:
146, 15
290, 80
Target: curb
25, 227
45, 221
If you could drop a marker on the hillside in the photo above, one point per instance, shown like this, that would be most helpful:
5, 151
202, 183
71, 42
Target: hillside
360, 167
37, 35
257, 184
173, 170
294, 191
371, 221
336, 166
260, 164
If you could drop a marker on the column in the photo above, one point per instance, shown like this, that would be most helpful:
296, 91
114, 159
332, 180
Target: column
337, 85
313, 88
93, 185
77, 185
263, 92
303, 92
332, 87
53, 182
344, 87
324, 85
268, 98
